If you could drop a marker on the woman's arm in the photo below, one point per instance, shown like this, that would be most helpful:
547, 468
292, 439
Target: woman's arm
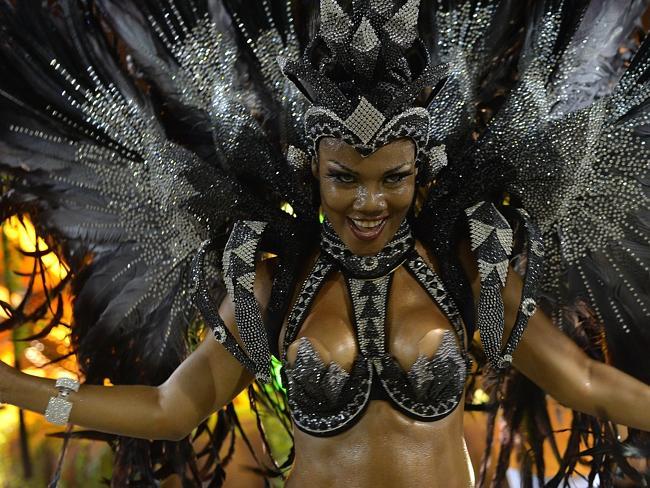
550, 359
206, 381
556, 364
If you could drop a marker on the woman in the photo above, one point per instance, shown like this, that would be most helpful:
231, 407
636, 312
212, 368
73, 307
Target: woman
373, 325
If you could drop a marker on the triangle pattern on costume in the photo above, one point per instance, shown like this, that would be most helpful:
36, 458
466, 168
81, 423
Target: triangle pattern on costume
246, 251
335, 25
383, 8
505, 238
479, 232
369, 310
365, 38
256, 226
247, 281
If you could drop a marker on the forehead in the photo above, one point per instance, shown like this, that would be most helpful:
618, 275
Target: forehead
396, 152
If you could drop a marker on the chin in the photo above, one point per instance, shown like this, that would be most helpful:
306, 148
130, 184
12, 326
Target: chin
369, 247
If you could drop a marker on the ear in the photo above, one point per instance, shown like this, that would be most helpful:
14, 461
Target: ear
314, 168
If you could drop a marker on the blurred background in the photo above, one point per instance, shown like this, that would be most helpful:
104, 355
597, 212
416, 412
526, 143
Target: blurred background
29, 448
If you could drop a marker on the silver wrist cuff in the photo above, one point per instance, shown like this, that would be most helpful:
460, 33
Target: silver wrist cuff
58, 409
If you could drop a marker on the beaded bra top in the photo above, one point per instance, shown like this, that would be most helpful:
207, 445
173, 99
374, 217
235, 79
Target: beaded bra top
325, 399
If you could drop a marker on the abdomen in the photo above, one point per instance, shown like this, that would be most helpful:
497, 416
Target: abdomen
385, 449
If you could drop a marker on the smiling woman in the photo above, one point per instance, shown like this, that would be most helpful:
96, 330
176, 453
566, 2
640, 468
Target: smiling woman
366, 199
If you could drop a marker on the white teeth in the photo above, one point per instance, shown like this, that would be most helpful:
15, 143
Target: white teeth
368, 224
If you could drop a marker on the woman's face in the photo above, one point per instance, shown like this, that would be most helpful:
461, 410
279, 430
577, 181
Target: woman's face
366, 198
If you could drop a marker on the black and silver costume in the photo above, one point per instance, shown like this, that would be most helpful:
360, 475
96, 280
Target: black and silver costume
160, 147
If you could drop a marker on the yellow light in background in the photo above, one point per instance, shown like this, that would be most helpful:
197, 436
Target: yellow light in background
14, 300
7, 356
286, 207
480, 397
4, 296
8, 415
61, 334
19, 233
23, 233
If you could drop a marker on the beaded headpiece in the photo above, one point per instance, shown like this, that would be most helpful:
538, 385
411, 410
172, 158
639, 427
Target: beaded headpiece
369, 78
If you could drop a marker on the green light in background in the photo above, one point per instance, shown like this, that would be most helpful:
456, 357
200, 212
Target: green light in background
276, 368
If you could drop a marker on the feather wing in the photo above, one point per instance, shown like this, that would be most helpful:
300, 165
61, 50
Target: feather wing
132, 148
574, 129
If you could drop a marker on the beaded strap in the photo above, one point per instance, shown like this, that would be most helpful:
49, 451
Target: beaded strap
322, 268
239, 276
492, 239
433, 285
528, 304
369, 303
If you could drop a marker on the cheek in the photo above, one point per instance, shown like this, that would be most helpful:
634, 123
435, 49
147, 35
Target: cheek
335, 198
400, 199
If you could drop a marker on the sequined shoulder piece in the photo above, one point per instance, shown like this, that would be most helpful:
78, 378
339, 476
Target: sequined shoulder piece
492, 240
239, 276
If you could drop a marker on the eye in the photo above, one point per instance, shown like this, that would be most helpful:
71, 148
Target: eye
397, 178
340, 177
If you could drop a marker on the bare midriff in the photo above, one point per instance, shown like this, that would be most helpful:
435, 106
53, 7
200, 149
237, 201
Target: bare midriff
385, 449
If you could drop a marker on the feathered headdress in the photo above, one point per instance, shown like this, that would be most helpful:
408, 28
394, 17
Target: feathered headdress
369, 78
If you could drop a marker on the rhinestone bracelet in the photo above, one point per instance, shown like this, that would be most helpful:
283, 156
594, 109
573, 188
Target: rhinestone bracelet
58, 408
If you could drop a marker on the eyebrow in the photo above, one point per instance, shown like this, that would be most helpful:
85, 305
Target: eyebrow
396, 169
400, 167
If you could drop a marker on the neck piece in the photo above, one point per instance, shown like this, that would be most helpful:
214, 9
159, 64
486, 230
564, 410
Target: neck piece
367, 267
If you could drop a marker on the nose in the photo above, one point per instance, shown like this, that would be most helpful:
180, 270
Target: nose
370, 201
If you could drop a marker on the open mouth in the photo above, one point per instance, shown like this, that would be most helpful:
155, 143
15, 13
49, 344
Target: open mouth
366, 229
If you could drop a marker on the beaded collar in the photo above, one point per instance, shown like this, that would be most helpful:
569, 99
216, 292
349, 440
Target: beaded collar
367, 267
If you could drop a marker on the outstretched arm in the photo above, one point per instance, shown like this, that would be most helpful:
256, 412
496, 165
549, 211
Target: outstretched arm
550, 359
206, 381
557, 365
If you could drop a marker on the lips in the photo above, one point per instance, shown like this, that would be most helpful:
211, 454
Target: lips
367, 229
